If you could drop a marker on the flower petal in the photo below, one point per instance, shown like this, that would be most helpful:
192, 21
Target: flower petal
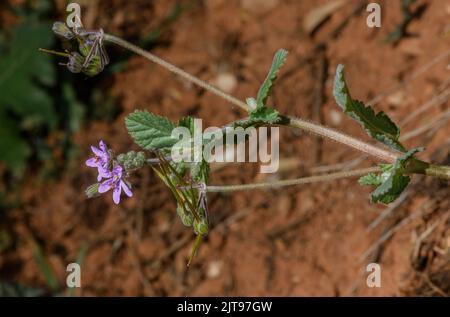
126, 189
92, 162
117, 171
105, 186
102, 146
116, 194
97, 151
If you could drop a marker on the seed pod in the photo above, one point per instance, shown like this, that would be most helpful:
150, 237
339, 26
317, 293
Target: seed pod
62, 30
85, 47
186, 218
75, 64
94, 66
201, 227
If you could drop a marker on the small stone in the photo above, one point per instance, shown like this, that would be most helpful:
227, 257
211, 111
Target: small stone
335, 117
396, 99
214, 269
226, 82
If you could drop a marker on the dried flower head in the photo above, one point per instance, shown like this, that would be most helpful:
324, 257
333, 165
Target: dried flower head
91, 57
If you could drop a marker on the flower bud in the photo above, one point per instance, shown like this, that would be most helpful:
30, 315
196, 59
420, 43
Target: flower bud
186, 218
201, 227
92, 190
85, 47
132, 160
94, 66
75, 64
62, 30
121, 158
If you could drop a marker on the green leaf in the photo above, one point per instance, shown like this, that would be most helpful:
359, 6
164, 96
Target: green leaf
378, 126
370, 179
391, 188
392, 181
266, 87
199, 170
25, 102
25, 72
264, 115
150, 131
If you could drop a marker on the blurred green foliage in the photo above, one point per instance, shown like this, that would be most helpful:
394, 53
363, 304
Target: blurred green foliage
25, 105
18, 290
34, 101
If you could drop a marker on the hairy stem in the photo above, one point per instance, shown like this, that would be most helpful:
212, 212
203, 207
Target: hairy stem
384, 155
375, 151
176, 70
290, 182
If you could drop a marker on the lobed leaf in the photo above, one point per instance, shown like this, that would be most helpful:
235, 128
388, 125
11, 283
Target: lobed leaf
392, 180
264, 115
266, 87
379, 126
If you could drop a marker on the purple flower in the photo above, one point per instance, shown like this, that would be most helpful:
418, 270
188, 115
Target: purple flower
100, 160
117, 183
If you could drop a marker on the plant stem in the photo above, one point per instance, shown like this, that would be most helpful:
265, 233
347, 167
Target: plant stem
297, 181
385, 155
176, 70
439, 171
372, 150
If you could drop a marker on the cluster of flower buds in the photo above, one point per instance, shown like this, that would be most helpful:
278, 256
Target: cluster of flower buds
111, 174
91, 57
132, 160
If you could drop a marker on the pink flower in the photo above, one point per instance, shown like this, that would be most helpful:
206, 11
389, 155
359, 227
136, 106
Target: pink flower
101, 160
116, 182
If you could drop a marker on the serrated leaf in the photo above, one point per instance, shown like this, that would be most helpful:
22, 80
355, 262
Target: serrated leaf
370, 179
408, 155
266, 87
264, 114
187, 122
378, 126
150, 131
391, 188
392, 181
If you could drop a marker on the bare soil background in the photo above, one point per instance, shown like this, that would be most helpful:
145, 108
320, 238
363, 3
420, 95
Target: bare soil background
298, 241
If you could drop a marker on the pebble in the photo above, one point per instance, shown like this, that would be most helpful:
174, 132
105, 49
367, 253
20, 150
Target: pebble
226, 82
